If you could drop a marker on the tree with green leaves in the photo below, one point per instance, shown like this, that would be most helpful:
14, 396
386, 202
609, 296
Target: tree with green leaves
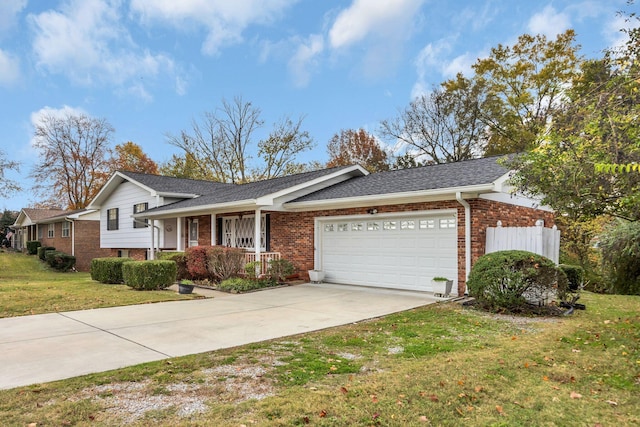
222, 146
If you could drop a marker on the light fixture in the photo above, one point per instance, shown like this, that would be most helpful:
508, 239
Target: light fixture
372, 211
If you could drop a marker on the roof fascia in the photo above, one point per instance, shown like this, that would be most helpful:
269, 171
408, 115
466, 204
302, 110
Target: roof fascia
249, 204
392, 198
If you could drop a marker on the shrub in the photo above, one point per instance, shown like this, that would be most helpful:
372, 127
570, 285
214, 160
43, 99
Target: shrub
32, 247
240, 284
575, 276
252, 268
224, 262
279, 269
108, 270
196, 261
509, 280
149, 275
181, 263
41, 251
620, 244
59, 260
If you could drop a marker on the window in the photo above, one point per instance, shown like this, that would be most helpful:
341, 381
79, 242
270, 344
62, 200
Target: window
343, 227
407, 224
51, 231
40, 231
427, 223
66, 227
448, 223
137, 208
112, 219
328, 227
389, 225
357, 226
373, 226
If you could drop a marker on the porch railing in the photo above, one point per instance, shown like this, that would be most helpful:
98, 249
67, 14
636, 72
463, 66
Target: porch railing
265, 257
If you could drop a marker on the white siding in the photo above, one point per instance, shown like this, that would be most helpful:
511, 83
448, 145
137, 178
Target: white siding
123, 198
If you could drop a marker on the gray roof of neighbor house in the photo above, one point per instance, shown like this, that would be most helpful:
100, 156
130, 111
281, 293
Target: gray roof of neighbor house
225, 193
39, 214
433, 177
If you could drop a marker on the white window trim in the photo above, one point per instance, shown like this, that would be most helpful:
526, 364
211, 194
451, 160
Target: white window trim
66, 229
51, 231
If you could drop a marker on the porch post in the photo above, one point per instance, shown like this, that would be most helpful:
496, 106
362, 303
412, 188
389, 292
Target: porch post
256, 235
153, 240
179, 239
213, 230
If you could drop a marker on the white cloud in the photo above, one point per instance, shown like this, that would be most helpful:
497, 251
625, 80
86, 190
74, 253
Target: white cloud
223, 20
9, 68
385, 20
305, 60
86, 41
549, 22
9, 10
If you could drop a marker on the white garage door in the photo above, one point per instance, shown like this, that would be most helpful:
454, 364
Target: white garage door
393, 252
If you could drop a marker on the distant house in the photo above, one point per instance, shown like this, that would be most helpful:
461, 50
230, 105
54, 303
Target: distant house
73, 232
395, 229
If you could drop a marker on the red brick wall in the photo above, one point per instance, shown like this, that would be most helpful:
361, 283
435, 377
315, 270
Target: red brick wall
87, 242
134, 253
292, 233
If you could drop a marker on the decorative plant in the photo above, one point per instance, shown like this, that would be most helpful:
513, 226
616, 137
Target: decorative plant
440, 279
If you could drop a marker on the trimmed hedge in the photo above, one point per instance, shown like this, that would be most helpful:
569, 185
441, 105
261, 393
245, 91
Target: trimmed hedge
240, 284
108, 270
59, 260
181, 263
575, 275
149, 275
32, 247
41, 251
510, 280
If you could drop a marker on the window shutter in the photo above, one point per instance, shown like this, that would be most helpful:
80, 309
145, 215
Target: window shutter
267, 232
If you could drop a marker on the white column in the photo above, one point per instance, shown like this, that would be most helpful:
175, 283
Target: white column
153, 240
180, 240
256, 236
213, 229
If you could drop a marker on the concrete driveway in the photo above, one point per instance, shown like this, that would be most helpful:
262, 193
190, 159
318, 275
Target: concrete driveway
48, 347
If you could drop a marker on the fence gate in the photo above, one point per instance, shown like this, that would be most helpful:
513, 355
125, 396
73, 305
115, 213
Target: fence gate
537, 239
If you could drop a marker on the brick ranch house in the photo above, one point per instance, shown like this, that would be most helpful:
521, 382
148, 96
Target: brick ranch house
75, 233
395, 229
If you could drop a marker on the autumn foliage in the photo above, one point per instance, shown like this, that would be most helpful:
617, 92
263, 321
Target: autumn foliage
356, 147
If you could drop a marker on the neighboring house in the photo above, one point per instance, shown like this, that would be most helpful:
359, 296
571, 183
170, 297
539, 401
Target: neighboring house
75, 233
395, 229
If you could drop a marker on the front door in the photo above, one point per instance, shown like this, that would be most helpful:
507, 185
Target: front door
193, 233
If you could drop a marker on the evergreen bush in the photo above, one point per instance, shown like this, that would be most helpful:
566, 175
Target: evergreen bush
108, 270
32, 247
41, 251
575, 276
510, 280
240, 284
59, 260
149, 275
620, 244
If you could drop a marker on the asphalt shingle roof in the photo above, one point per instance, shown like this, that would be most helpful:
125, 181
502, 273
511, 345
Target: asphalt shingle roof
433, 177
169, 184
225, 193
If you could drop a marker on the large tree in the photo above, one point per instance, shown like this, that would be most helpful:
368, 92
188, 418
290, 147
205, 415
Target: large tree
222, 146
7, 185
440, 127
130, 157
356, 146
73, 158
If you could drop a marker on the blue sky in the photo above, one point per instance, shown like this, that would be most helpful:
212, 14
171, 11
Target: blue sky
150, 67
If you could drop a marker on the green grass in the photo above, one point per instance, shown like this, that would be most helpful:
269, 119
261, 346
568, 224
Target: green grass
28, 286
437, 365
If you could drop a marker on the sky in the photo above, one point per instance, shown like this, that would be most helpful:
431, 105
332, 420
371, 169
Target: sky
152, 67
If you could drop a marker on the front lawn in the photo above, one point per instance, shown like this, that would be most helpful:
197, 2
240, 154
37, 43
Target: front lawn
28, 286
437, 365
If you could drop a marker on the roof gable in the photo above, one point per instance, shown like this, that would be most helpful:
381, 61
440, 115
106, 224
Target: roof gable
29, 216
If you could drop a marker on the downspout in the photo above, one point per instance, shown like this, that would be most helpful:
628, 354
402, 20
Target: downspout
73, 236
467, 238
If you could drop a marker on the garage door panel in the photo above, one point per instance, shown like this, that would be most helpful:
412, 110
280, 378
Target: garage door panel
398, 258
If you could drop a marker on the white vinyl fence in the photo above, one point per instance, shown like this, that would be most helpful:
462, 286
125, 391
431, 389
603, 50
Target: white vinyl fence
537, 239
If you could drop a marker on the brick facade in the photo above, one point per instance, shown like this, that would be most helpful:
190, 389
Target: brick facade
87, 241
292, 233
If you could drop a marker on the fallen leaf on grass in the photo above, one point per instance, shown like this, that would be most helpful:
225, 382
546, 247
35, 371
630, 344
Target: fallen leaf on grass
611, 402
478, 389
344, 390
423, 419
374, 398
323, 413
433, 398
500, 410
575, 395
